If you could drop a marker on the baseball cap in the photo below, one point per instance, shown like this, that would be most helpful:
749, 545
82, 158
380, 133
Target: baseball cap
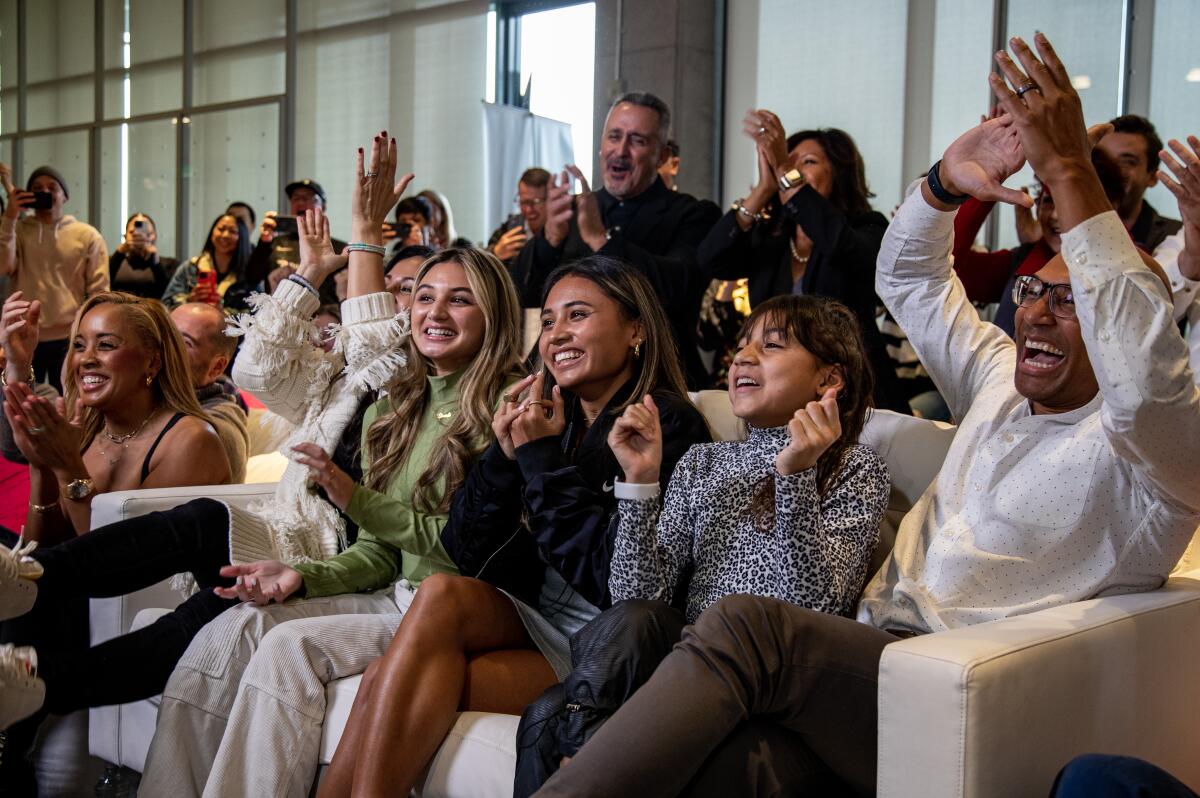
311, 185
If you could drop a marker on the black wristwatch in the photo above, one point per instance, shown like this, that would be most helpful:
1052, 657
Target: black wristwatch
938, 190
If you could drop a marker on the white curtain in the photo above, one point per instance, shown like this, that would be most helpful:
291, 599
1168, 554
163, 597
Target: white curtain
515, 140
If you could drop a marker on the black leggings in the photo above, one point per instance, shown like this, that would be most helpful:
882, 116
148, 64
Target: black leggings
112, 561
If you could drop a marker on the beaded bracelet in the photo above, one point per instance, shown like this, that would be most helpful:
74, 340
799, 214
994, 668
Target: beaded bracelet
359, 246
740, 207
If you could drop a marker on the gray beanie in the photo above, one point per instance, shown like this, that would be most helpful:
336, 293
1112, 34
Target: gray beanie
47, 171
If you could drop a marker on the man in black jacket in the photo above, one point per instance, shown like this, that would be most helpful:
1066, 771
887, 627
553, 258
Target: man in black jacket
634, 218
281, 250
1133, 145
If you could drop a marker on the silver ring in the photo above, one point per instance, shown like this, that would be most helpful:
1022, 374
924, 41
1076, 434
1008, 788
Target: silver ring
762, 130
1024, 88
370, 174
36, 430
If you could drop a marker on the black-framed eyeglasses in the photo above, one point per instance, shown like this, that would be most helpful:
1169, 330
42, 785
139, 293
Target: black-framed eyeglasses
1029, 289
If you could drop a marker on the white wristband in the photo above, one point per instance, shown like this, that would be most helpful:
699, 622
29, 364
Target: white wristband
635, 491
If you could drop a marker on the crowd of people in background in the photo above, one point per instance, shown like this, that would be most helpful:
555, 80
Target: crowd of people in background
472, 525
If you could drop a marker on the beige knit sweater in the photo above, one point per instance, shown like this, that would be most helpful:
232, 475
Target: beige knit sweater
61, 264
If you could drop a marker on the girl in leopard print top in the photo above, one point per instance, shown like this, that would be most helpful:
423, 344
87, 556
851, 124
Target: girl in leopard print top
793, 511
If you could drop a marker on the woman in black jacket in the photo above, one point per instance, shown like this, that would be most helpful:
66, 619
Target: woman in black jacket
816, 236
135, 266
534, 524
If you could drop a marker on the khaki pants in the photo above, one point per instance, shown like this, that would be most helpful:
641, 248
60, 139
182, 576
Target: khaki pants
242, 713
745, 660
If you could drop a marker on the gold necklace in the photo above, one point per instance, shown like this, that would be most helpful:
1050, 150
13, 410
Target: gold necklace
123, 440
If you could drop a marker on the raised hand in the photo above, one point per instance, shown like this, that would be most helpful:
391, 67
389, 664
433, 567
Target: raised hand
1186, 188
813, 429
317, 258
559, 209
260, 582
541, 418
375, 190
510, 243
19, 335
980, 160
1186, 183
510, 408
636, 442
587, 212
1048, 114
767, 132
338, 485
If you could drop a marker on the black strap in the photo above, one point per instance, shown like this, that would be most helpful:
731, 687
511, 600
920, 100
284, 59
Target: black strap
146, 463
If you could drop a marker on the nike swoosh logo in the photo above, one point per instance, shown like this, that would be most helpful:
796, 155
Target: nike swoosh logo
607, 487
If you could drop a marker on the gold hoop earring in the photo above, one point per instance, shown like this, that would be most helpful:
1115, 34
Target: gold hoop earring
637, 349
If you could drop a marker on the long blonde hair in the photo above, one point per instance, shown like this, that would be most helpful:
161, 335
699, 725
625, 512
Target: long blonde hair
173, 383
391, 438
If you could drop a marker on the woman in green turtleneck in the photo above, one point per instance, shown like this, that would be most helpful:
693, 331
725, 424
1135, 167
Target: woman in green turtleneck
418, 445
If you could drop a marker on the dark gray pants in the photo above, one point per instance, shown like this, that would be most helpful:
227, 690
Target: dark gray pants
745, 659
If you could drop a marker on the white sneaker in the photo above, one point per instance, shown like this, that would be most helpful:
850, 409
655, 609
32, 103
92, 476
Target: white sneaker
18, 570
22, 693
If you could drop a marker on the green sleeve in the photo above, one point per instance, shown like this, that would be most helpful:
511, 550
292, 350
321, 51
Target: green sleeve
369, 564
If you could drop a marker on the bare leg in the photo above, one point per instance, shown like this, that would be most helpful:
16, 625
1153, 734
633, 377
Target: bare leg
461, 645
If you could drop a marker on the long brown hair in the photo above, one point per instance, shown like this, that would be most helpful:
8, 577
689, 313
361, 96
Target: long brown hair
391, 438
830, 331
173, 383
657, 367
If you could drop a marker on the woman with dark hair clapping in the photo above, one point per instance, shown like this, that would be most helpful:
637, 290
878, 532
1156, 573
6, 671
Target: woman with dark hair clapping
807, 228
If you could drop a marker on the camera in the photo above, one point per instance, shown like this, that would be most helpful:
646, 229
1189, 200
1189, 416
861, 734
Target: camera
42, 201
285, 226
140, 225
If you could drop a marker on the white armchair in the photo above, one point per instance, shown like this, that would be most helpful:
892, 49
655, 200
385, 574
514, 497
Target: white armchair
991, 710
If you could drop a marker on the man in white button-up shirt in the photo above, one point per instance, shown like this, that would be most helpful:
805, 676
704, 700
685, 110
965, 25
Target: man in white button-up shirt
1072, 475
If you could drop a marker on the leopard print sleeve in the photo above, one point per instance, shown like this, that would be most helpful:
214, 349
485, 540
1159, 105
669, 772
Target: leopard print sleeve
823, 546
654, 540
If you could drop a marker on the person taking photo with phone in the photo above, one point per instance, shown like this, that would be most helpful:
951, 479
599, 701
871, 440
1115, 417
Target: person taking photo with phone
277, 253
135, 266
51, 257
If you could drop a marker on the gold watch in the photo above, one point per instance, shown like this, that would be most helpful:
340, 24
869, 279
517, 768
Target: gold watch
793, 178
78, 489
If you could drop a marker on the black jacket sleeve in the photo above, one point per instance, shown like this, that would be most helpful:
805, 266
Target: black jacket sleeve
532, 266
726, 253
260, 263
673, 273
484, 534
573, 520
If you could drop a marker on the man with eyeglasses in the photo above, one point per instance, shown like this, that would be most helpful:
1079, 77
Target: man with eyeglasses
510, 238
1071, 475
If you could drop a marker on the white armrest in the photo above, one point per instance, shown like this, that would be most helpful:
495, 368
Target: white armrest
997, 709
119, 505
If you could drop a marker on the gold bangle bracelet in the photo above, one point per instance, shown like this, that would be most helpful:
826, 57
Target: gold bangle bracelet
42, 508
